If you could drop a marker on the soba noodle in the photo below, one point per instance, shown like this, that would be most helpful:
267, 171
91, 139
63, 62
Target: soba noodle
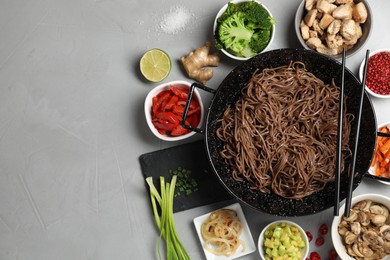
281, 135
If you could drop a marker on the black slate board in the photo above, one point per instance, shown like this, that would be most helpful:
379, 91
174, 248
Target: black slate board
191, 156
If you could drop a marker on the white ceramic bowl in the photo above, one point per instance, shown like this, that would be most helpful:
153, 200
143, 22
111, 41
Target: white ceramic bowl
148, 108
366, 28
337, 239
223, 9
361, 68
372, 169
260, 243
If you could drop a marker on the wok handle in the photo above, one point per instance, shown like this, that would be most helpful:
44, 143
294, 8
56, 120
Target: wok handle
189, 98
383, 134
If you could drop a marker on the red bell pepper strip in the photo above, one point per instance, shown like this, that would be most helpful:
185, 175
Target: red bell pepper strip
168, 116
163, 125
179, 130
181, 93
171, 103
157, 105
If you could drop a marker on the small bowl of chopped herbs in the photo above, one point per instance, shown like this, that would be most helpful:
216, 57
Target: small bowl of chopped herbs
243, 29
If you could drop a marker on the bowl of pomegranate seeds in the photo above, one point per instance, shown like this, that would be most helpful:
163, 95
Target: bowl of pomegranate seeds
378, 73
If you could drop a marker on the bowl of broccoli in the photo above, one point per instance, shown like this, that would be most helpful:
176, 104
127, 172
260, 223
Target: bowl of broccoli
243, 29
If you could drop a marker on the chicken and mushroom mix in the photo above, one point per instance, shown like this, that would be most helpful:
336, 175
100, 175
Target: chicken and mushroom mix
366, 232
331, 25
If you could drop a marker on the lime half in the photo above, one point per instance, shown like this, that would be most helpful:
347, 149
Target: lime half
155, 65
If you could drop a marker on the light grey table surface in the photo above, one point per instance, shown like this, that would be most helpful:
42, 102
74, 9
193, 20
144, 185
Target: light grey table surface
72, 123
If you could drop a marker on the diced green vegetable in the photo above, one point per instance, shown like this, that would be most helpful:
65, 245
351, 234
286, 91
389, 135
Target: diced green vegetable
283, 241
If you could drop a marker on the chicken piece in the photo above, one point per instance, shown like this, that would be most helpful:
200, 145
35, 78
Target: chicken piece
359, 31
334, 41
348, 29
334, 27
313, 43
359, 13
324, 6
309, 4
316, 27
357, 35
326, 50
304, 30
342, 2
310, 17
325, 21
342, 12
313, 34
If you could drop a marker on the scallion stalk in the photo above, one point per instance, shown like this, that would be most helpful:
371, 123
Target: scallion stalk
164, 220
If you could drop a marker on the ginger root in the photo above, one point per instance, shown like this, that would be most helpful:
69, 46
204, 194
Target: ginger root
196, 61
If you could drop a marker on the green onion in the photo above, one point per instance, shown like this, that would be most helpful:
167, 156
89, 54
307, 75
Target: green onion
185, 183
164, 220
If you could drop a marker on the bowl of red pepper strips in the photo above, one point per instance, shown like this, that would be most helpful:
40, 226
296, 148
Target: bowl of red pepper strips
378, 73
164, 107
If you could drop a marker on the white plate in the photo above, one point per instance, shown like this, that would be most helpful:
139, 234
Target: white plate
246, 235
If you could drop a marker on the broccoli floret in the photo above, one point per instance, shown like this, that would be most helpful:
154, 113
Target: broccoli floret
234, 34
231, 9
256, 15
244, 29
259, 40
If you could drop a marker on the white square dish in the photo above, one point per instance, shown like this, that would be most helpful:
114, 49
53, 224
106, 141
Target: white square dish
246, 235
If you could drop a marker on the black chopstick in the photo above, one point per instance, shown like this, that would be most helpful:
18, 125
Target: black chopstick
339, 137
383, 134
357, 133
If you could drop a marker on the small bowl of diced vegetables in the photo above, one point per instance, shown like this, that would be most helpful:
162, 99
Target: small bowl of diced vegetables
164, 106
283, 238
380, 164
243, 29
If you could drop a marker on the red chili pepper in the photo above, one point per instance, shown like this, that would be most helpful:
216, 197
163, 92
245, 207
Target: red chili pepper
315, 256
320, 241
323, 230
333, 254
378, 73
309, 236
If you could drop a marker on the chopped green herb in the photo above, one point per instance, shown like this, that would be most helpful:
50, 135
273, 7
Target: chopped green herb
185, 183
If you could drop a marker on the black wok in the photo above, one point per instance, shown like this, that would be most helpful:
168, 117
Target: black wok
228, 93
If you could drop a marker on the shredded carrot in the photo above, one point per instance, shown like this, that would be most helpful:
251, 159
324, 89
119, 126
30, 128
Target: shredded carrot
382, 155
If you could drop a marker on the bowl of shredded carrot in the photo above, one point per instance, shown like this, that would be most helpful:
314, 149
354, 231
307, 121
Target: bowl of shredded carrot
380, 164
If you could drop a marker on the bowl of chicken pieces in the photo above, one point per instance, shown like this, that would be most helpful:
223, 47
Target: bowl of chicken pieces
329, 26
